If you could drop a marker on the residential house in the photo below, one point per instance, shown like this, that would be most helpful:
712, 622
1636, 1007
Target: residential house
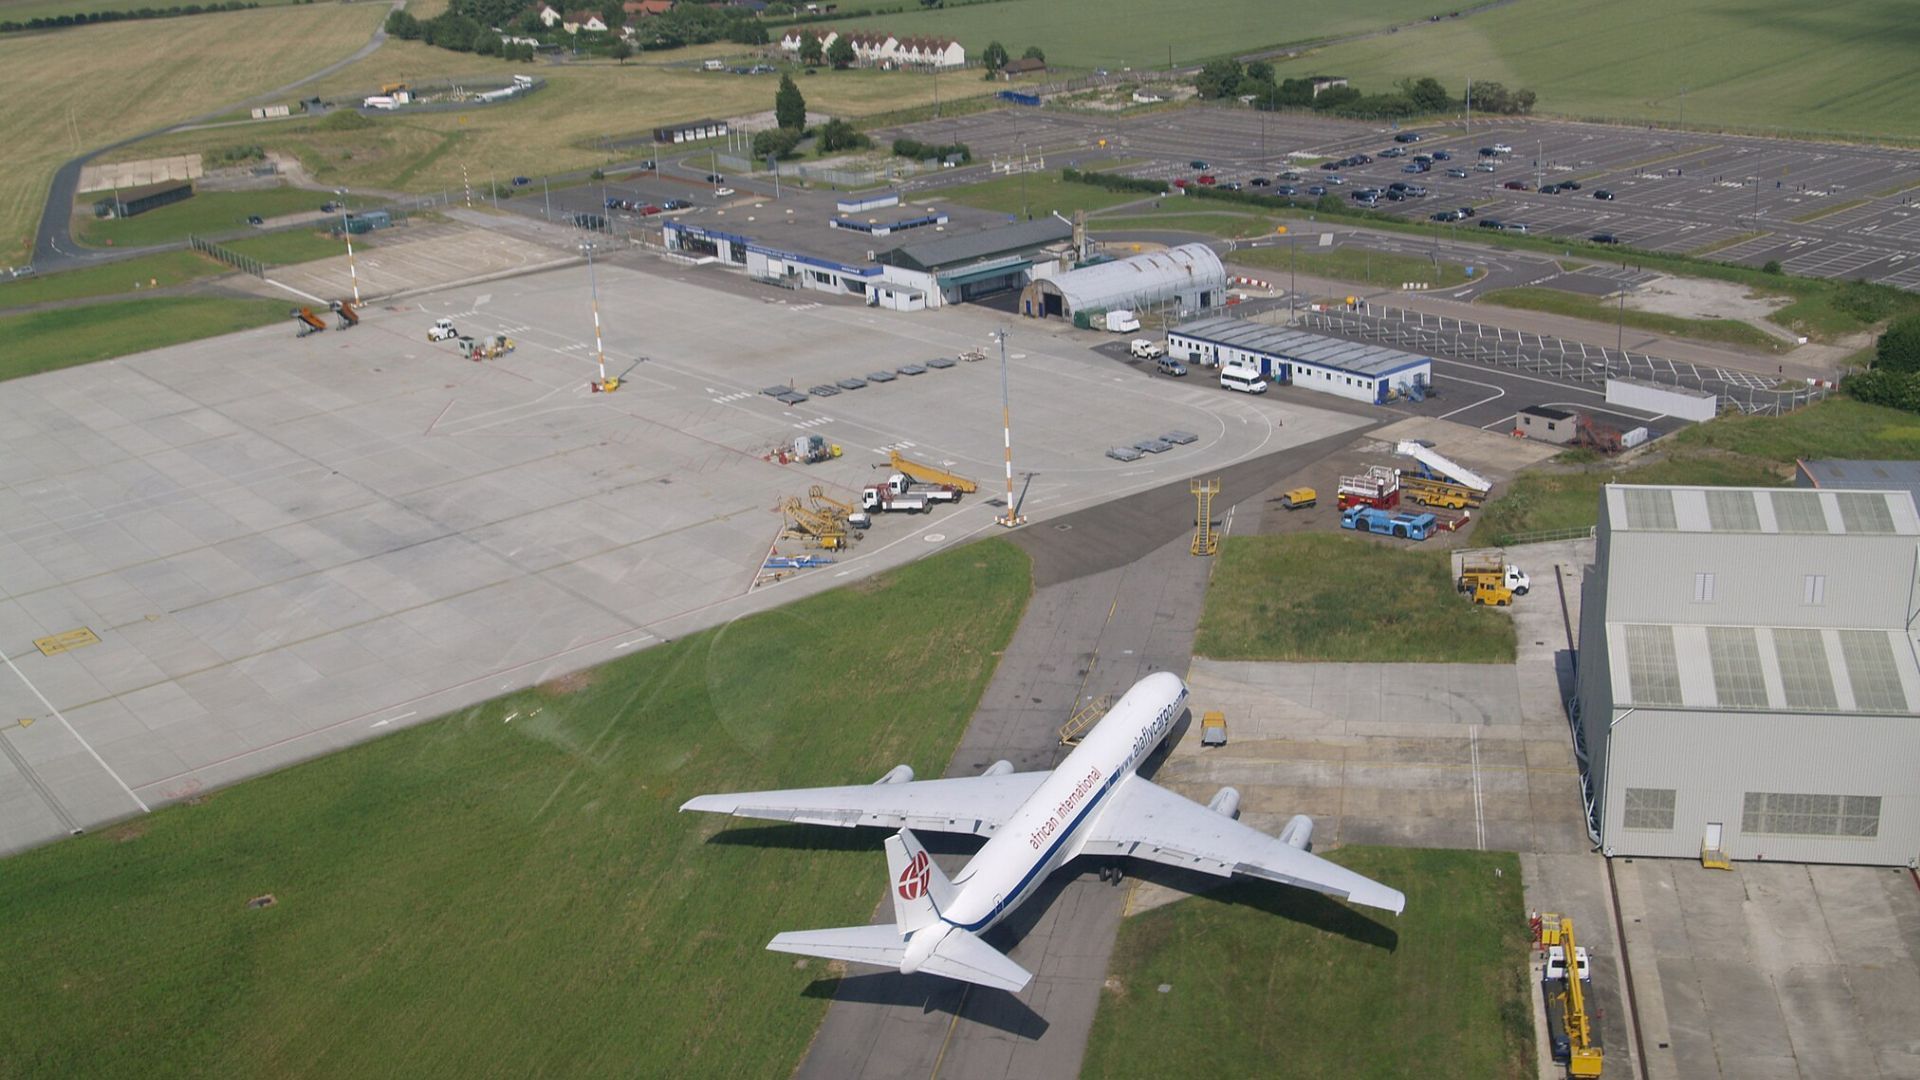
550, 16
790, 41
870, 47
640, 9
1022, 66
575, 21
931, 52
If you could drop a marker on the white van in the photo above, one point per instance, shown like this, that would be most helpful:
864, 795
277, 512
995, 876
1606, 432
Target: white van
1245, 379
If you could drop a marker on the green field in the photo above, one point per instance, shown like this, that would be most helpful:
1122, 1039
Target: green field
1220, 223
131, 275
206, 214
1733, 451
293, 246
1844, 67
1270, 981
510, 891
23, 10
1273, 598
64, 337
1355, 264
1598, 309
1120, 33
1041, 193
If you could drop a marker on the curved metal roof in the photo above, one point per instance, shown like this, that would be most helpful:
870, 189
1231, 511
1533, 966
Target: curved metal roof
1141, 279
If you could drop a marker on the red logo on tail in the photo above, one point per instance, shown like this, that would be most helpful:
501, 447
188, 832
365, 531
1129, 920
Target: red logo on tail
913, 880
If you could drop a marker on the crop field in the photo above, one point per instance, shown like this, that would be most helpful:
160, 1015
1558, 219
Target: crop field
64, 337
1270, 598
85, 87
510, 890
1259, 980
1138, 33
206, 214
557, 129
23, 10
1843, 68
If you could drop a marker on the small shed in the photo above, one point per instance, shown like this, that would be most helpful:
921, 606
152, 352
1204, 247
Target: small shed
692, 131
1547, 424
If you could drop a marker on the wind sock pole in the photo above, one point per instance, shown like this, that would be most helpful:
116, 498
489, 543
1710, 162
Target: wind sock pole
593, 283
1011, 519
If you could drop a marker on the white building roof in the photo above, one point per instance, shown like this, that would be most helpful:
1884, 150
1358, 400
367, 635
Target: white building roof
1139, 279
1632, 508
1281, 343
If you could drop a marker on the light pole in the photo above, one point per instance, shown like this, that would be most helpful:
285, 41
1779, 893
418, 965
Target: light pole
348, 233
547, 193
1010, 520
599, 349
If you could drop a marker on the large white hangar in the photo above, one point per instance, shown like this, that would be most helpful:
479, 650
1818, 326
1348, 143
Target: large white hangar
1185, 279
1748, 687
1348, 369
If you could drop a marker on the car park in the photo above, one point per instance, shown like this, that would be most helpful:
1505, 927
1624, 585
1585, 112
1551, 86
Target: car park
1603, 194
1604, 238
1458, 174
1515, 185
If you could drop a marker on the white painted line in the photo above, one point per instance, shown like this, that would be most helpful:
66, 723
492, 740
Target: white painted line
294, 291
629, 644
57, 715
391, 719
510, 716
1479, 803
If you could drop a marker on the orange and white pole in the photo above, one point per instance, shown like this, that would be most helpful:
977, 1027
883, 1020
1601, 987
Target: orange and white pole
1006, 428
593, 284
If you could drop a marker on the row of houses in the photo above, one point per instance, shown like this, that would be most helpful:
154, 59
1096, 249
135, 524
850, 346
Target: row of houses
880, 47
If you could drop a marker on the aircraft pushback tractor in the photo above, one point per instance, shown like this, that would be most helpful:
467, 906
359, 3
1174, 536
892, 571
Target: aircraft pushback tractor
1035, 822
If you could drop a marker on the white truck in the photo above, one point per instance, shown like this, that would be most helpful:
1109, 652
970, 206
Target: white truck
442, 331
1122, 322
900, 494
1146, 349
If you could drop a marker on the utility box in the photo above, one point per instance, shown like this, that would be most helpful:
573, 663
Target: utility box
1213, 729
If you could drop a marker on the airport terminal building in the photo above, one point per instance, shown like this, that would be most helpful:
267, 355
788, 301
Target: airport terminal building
1747, 682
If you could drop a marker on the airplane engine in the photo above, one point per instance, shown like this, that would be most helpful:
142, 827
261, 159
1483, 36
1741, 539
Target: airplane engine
1225, 801
999, 768
1298, 833
899, 774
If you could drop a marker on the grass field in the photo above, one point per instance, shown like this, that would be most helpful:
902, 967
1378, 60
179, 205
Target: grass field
131, 275
205, 214
1582, 306
1356, 264
555, 130
1844, 67
1219, 223
65, 337
23, 10
77, 89
1273, 598
294, 246
1122, 33
474, 897
1269, 981
1733, 451
1043, 193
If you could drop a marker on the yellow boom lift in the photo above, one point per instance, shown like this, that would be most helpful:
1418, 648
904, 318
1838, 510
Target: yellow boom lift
822, 530
928, 474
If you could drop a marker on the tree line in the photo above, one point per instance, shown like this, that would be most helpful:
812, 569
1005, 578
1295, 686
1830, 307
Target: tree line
88, 18
466, 26
1410, 96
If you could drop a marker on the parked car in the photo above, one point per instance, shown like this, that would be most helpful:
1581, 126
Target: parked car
1492, 223
1207, 179
1569, 185
1443, 155
1515, 185
723, 192
1413, 167
1550, 189
1502, 148
649, 210
1231, 185
1336, 178
1414, 191
1444, 215
1395, 196
1169, 366
1316, 190
1458, 174
1180, 181
715, 178
1516, 226
1407, 137
1486, 166
1197, 165
255, 219
1393, 151
1466, 212
1488, 151
675, 204
1603, 194
1424, 159
522, 181
1286, 190
1260, 181
1290, 175
1331, 165
1604, 238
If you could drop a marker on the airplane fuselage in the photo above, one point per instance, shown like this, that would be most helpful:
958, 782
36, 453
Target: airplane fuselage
1047, 830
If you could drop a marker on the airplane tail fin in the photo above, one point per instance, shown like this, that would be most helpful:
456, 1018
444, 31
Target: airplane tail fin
920, 890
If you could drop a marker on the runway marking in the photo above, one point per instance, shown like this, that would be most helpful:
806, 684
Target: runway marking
87, 746
391, 719
1479, 802
1498, 393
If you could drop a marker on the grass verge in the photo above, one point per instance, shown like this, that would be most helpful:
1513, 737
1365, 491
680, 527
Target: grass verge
129, 275
476, 897
1756, 451
1259, 975
1356, 264
1597, 309
67, 337
1342, 598
293, 246
1042, 193
205, 214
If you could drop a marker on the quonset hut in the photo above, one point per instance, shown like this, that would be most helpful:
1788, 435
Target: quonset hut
1186, 279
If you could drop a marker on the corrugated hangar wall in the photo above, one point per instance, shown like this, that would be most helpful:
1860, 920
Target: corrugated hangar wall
1190, 275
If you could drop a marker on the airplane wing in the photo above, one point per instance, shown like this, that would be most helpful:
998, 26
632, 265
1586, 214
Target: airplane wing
1146, 821
965, 804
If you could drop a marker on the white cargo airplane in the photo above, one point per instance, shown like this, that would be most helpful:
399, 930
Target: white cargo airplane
1092, 804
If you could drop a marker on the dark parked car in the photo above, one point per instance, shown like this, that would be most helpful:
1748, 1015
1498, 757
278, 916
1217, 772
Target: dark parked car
1443, 155
1466, 212
1603, 195
1444, 215
1550, 189
522, 181
1260, 181
1488, 151
1515, 185
1231, 185
1360, 159
1397, 186
1407, 137
255, 219
1393, 151
1287, 190
1491, 223
1569, 185
715, 178
1330, 165
1395, 196
1604, 238
1317, 189
675, 204
1197, 165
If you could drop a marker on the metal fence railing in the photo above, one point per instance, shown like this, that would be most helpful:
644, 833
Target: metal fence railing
1557, 358
244, 263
